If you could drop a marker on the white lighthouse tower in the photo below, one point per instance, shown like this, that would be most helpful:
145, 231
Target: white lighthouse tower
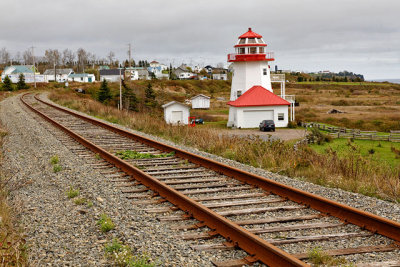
251, 74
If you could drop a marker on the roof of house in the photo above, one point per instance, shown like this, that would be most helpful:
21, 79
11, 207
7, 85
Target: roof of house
15, 69
80, 75
153, 62
152, 69
200, 95
250, 34
106, 72
258, 96
59, 71
173, 103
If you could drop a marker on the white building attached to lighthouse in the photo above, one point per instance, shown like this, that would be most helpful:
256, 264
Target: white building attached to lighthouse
252, 99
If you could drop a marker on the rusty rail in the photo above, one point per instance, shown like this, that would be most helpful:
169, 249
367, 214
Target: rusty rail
366, 220
258, 248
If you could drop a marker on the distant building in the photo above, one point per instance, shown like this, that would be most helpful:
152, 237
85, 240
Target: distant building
200, 102
176, 113
158, 72
183, 73
209, 68
82, 77
62, 74
14, 71
111, 75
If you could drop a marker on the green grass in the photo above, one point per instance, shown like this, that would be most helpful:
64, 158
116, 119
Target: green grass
382, 149
71, 193
80, 201
54, 160
131, 154
105, 222
123, 256
57, 168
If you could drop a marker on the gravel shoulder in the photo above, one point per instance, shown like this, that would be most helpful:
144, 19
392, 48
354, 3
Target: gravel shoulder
59, 232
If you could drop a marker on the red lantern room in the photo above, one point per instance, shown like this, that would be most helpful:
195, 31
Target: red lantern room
250, 47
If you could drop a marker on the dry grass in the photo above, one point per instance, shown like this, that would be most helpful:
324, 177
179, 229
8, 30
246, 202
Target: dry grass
369, 106
350, 171
12, 243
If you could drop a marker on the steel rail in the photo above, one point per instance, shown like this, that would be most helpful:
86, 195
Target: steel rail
258, 248
364, 219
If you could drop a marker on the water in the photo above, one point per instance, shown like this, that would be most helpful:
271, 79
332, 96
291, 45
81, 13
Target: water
387, 80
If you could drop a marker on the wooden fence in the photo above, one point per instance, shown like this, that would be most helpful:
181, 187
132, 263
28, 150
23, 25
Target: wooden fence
339, 132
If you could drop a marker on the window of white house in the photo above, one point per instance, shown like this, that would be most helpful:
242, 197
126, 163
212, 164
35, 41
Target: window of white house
265, 72
239, 93
81, 78
281, 116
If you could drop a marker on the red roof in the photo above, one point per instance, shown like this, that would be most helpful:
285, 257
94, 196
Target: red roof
250, 34
258, 96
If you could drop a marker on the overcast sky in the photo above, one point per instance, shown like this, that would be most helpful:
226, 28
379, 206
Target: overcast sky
362, 36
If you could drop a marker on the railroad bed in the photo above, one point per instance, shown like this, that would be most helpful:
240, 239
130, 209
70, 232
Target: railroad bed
217, 207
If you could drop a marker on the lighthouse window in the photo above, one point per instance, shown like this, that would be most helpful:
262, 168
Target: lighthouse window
242, 41
251, 41
265, 72
253, 50
239, 93
261, 50
242, 50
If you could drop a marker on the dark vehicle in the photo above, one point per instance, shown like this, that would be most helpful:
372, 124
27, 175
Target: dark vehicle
267, 125
197, 121
80, 90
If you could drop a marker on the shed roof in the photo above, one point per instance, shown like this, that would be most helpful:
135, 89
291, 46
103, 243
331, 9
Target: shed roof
80, 75
106, 72
59, 71
200, 95
174, 103
16, 69
258, 96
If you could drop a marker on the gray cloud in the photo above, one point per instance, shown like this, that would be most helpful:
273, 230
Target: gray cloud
361, 36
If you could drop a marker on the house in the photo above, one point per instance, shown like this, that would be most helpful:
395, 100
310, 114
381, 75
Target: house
158, 72
258, 104
111, 75
155, 64
183, 73
220, 76
29, 71
176, 113
208, 68
201, 101
62, 74
143, 74
82, 77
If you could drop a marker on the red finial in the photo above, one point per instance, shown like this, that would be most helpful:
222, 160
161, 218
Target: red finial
249, 29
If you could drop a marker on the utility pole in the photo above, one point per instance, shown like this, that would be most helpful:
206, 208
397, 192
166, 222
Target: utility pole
34, 68
129, 54
120, 90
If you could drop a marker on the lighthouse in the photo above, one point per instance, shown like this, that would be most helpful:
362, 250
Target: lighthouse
252, 99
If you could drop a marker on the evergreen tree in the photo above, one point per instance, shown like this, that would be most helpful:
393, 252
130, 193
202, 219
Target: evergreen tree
104, 92
130, 100
150, 96
21, 82
7, 85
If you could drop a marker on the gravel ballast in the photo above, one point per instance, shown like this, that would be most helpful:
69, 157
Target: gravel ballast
61, 232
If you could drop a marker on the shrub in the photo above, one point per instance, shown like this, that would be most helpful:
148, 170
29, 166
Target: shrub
7, 84
71, 193
316, 136
106, 224
54, 159
57, 168
292, 124
104, 94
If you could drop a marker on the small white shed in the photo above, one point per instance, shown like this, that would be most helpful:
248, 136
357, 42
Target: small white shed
201, 101
176, 113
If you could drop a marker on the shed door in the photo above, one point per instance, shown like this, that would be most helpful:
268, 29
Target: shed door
177, 116
252, 118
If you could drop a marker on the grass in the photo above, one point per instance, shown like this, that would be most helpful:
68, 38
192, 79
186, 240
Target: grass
384, 152
57, 168
54, 160
12, 241
122, 255
351, 171
80, 201
319, 258
72, 193
131, 154
105, 223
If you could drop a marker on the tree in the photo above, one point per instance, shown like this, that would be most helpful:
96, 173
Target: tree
7, 85
28, 57
82, 58
68, 57
130, 100
104, 92
4, 56
21, 82
150, 96
110, 57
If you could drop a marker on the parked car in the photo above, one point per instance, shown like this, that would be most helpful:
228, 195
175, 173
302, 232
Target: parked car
267, 125
198, 121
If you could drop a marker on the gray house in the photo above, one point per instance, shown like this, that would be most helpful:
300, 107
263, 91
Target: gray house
61, 75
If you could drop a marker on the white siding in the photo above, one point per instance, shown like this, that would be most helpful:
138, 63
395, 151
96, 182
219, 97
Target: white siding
201, 102
176, 113
250, 117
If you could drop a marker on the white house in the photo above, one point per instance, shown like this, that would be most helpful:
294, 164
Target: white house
183, 73
111, 75
176, 113
61, 74
13, 72
258, 104
220, 76
82, 77
201, 101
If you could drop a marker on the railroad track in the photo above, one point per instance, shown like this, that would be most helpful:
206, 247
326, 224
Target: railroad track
218, 207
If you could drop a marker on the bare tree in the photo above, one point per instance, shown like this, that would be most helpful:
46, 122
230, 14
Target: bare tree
18, 57
28, 57
110, 57
92, 59
82, 58
52, 56
68, 57
5, 56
